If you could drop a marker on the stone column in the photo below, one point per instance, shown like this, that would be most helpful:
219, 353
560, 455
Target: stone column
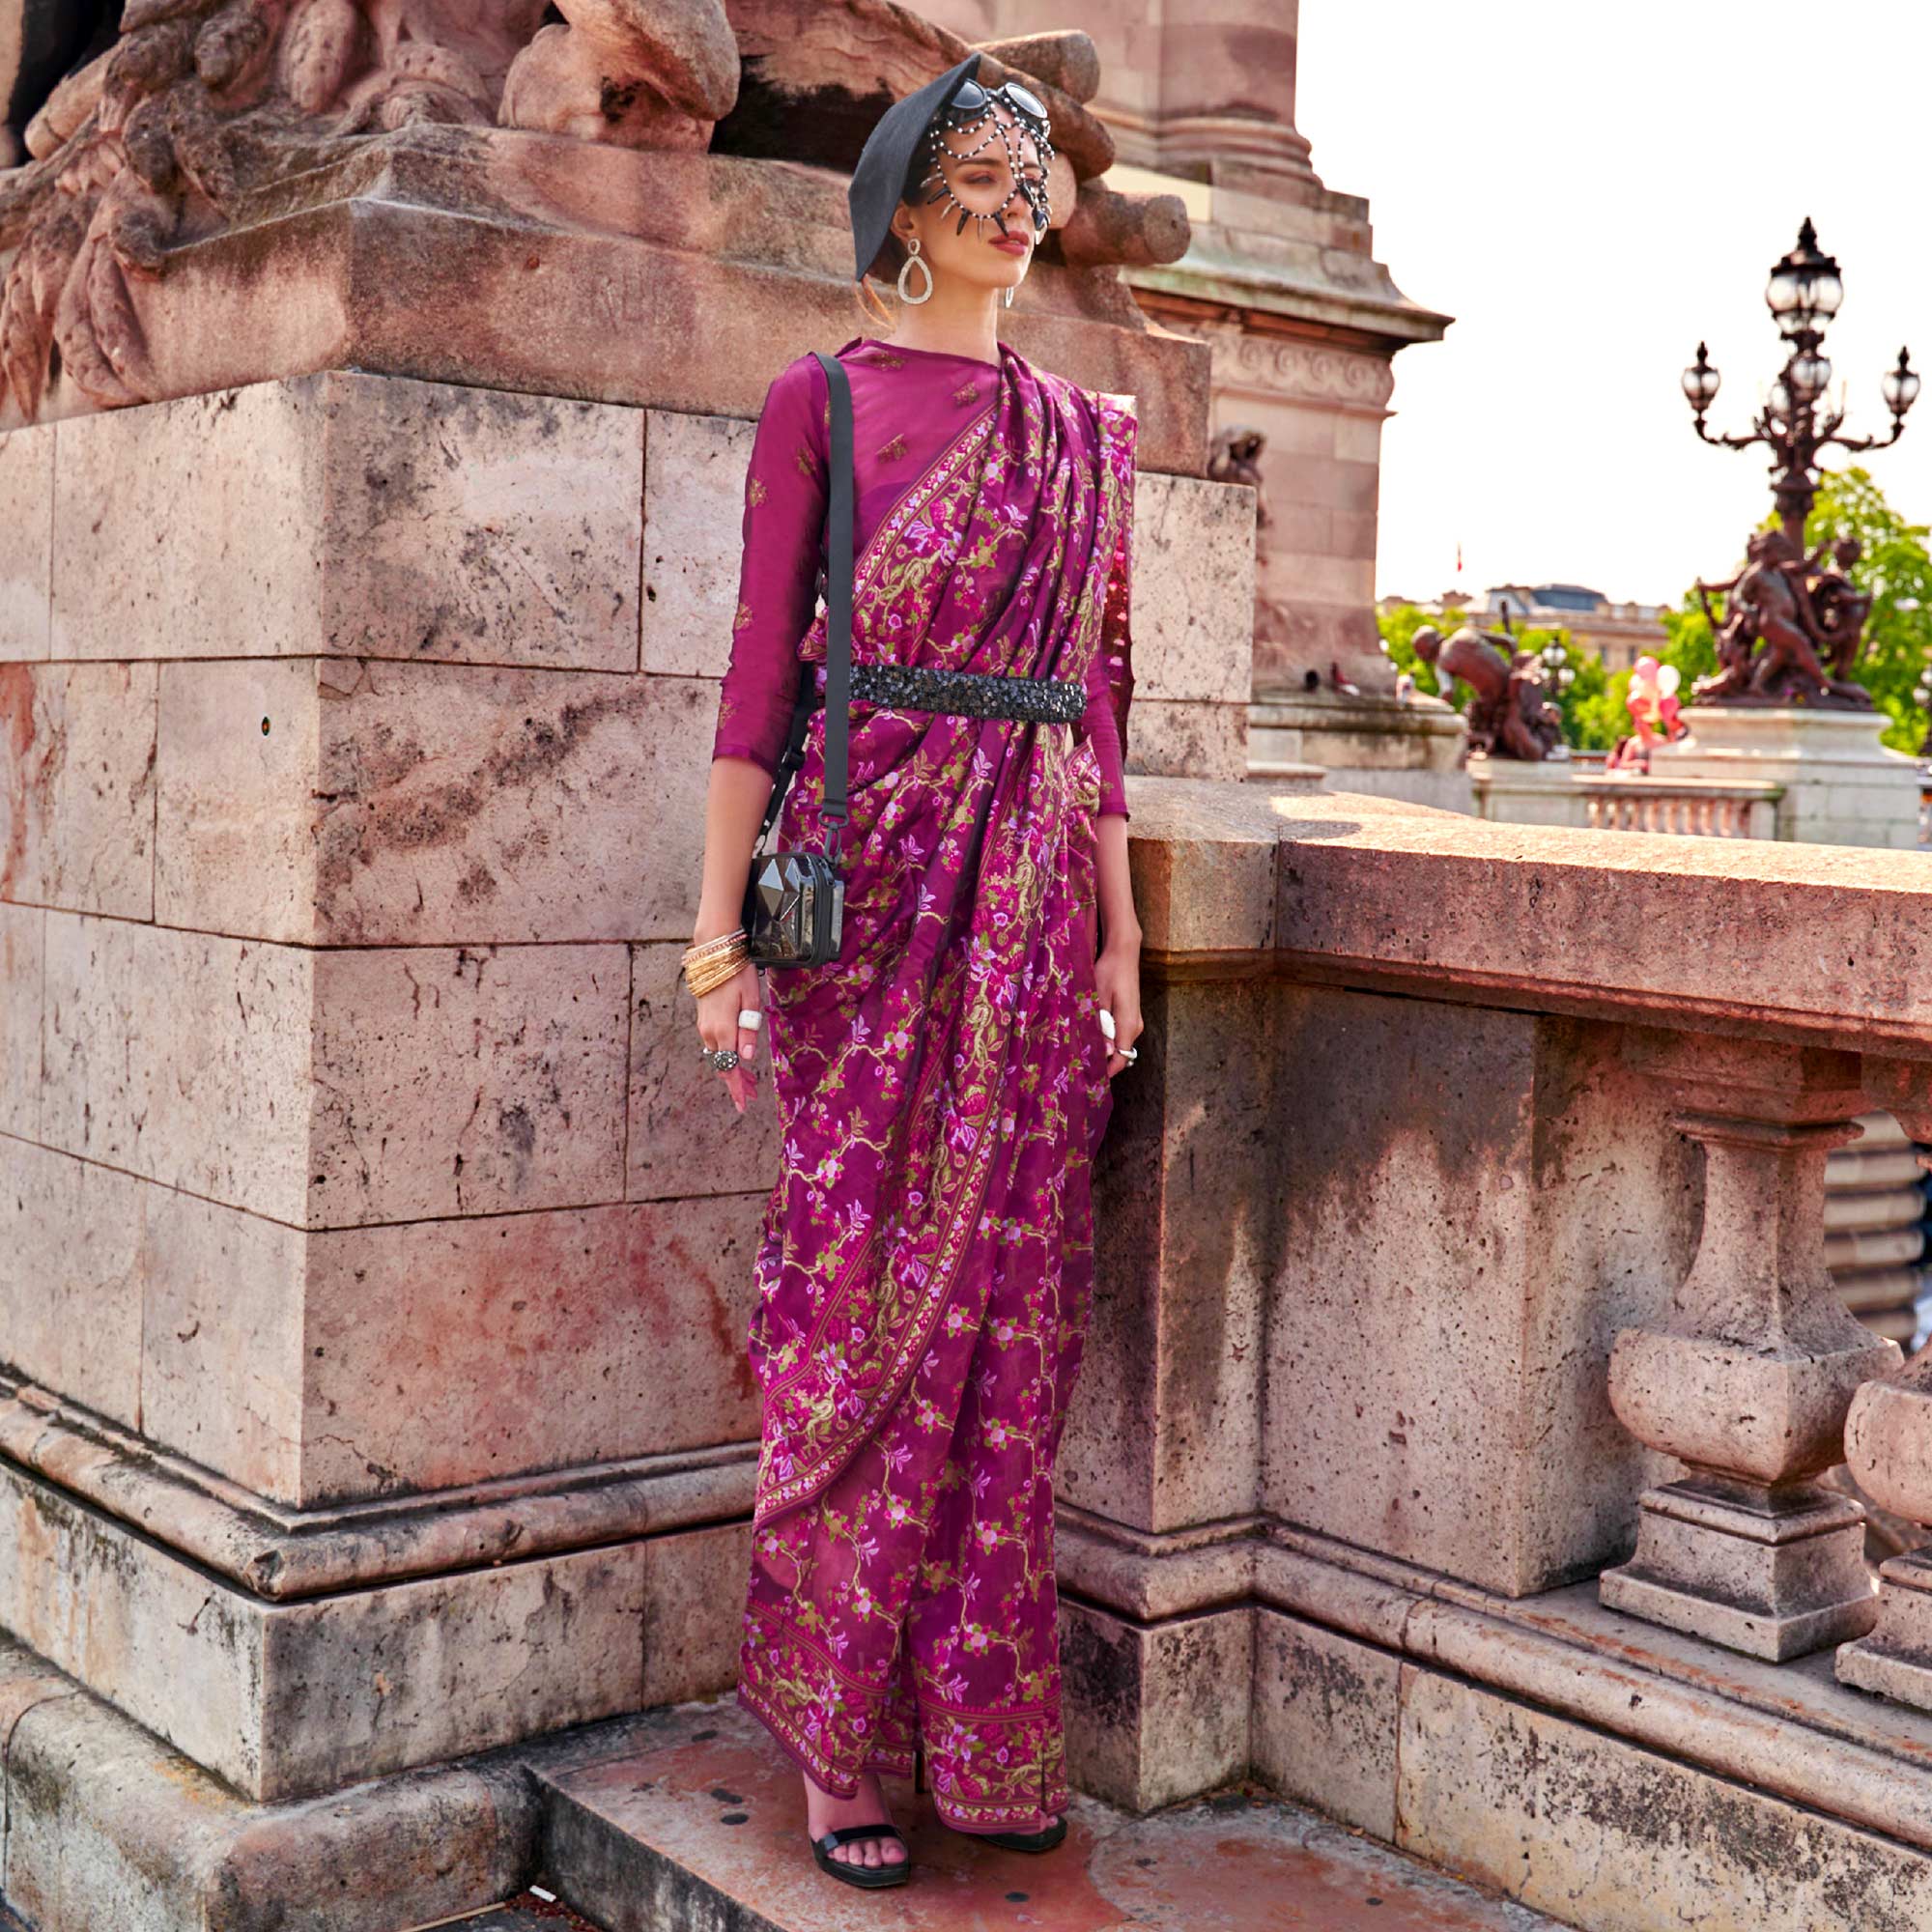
1888, 1446
1748, 1380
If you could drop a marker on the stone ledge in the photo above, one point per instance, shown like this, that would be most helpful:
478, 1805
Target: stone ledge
1791, 1730
283, 1554
285, 1699
1712, 934
110, 1831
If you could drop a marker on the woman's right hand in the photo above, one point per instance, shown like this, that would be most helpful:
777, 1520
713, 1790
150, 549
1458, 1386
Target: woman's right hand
718, 1028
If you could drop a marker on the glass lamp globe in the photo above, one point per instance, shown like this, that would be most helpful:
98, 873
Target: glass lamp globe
1807, 375
1901, 385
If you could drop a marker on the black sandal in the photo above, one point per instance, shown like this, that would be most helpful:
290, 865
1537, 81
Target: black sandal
867, 1877
1028, 1841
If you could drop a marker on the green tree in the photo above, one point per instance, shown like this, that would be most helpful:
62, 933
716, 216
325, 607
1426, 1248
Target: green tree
1895, 567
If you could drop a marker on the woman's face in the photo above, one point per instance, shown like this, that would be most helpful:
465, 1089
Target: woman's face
995, 244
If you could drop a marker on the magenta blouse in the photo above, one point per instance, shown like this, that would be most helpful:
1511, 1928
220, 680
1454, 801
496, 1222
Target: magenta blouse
908, 406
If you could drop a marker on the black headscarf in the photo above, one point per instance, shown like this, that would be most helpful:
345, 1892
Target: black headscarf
879, 181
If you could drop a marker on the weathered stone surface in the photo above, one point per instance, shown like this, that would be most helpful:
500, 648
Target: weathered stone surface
1620, 1839
1192, 605
1187, 738
1204, 865
352, 515
685, 1136
453, 1352
286, 1699
108, 1827
76, 787
22, 947
26, 542
430, 803
1505, 1154
222, 1349
354, 1688
465, 1082
70, 1278
1165, 1424
1325, 1719
693, 1591
180, 1057
239, 771
1146, 1717
694, 539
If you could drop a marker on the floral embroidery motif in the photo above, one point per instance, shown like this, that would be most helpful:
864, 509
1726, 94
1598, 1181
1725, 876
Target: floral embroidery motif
968, 391
743, 617
808, 463
892, 451
756, 492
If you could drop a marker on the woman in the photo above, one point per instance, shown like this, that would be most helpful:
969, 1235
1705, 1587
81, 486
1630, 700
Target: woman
926, 1261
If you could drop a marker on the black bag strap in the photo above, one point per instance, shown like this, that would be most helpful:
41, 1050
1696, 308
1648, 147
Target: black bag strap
835, 812
837, 579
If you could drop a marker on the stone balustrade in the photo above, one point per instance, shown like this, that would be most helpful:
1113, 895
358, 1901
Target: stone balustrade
1466, 1376
1707, 808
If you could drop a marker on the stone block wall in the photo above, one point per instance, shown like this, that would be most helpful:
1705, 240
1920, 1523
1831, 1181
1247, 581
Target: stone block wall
375, 1255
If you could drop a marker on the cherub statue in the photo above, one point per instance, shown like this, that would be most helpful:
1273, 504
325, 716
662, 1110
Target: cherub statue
1779, 629
1509, 715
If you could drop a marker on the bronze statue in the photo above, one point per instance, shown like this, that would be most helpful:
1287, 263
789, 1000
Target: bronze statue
1235, 456
1789, 616
1509, 716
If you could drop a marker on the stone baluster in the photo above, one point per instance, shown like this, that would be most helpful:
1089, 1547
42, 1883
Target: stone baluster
1748, 1380
1888, 1446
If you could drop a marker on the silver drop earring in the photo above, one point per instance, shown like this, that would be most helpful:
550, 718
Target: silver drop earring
912, 260
1008, 298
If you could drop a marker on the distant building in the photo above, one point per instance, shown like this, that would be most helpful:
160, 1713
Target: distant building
1619, 633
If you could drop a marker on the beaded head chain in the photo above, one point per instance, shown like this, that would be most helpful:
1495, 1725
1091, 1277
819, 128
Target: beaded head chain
970, 110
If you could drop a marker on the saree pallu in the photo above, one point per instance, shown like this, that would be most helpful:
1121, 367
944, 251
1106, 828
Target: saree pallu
926, 1265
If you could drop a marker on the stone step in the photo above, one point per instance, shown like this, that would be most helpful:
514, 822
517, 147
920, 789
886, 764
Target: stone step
701, 1827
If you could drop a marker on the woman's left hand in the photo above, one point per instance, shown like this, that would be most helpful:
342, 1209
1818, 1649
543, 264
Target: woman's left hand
1117, 978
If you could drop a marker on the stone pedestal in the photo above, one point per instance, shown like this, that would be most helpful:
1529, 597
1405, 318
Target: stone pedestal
1513, 791
1749, 1381
1841, 786
1371, 744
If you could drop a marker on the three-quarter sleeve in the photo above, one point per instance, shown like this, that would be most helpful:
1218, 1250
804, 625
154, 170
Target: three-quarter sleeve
784, 530
1110, 675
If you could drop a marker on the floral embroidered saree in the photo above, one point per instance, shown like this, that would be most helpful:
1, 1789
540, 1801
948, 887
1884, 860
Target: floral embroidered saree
926, 1264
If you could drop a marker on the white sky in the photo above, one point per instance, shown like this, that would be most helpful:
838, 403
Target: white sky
1589, 190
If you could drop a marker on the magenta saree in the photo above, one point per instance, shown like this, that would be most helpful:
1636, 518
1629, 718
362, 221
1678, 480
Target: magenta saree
926, 1260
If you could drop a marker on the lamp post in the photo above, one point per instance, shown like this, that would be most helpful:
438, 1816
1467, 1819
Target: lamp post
1802, 295
1796, 620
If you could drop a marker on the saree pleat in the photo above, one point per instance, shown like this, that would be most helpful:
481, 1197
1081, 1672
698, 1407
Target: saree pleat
926, 1263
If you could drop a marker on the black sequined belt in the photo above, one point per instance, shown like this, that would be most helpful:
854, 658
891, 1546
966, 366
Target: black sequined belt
972, 693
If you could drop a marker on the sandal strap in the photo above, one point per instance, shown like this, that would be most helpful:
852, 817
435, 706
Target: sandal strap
849, 1834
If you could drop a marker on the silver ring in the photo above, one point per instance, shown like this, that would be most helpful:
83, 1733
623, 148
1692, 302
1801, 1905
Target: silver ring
1129, 1053
752, 1018
722, 1058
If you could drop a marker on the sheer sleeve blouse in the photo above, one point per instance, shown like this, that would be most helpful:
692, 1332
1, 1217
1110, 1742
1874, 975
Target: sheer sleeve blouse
783, 532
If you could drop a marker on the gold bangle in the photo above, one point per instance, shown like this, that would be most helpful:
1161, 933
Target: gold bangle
705, 948
710, 973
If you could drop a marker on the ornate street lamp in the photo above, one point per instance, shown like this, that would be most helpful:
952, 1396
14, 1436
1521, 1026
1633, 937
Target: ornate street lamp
1804, 295
1794, 621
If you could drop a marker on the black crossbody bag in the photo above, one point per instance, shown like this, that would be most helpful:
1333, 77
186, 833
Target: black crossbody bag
795, 910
